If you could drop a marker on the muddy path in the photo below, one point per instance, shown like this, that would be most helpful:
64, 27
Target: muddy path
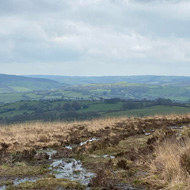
61, 166
63, 163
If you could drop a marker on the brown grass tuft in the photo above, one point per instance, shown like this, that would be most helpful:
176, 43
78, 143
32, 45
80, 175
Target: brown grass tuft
171, 164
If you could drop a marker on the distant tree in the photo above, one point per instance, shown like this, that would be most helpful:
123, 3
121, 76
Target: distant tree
101, 99
132, 105
84, 106
23, 106
38, 110
67, 106
76, 105
162, 101
58, 106
112, 100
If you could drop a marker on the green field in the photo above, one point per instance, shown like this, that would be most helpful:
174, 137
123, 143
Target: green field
16, 88
69, 110
154, 110
102, 107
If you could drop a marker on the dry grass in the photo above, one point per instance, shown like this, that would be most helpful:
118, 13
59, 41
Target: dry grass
172, 164
40, 134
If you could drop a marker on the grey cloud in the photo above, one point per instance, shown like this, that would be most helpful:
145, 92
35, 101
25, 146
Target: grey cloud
76, 35
11, 7
160, 1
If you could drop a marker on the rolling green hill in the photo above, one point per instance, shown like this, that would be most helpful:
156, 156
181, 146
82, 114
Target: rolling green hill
70, 110
16, 88
144, 79
12, 83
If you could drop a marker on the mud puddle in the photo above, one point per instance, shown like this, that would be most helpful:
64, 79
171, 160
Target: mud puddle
176, 127
27, 179
71, 169
65, 168
18, 181
68, 168
3, 187
70, 147
103, 156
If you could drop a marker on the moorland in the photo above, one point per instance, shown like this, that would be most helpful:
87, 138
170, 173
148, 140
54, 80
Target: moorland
120, 133
118, 153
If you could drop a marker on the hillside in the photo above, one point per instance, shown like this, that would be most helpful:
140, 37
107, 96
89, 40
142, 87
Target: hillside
16, 88
12, 83
144, 79
72, 110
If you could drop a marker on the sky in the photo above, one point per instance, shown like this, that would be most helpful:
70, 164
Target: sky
95, 37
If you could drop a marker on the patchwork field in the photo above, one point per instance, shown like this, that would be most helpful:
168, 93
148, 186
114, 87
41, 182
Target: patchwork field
71, 110
17, 88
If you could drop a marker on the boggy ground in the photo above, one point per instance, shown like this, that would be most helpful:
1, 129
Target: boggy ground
124, 153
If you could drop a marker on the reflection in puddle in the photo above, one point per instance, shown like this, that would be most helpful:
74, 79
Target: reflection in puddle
176, 127
108, 156
89, 140
103, 156
19, 181
70, 147
71, 169
3, 187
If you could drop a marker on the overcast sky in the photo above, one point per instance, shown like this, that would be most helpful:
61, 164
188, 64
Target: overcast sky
95, 37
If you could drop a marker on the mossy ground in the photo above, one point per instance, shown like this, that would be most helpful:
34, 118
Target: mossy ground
6, 183
22, 169
48, 184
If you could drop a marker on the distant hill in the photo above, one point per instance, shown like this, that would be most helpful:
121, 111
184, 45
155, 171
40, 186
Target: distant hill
15, 88
156, 80
13, 83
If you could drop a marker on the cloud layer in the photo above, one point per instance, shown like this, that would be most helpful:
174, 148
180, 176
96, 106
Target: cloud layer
95, 37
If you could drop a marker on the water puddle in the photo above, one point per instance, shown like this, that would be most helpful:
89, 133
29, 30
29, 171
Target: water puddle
71, 169
108, 156
103, 156
70, 147
19, 181
89, 140
146, 133
66, 168
176, 127
3, 187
